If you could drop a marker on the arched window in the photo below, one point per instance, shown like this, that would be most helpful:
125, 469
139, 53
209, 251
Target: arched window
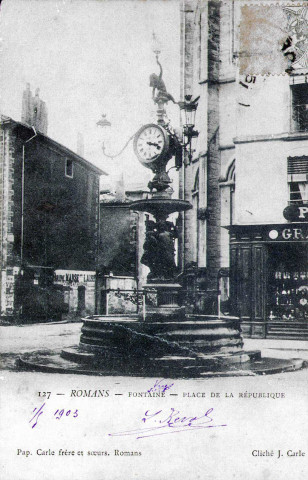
196, 183
230, 175
231, 179
227, 191
228, 180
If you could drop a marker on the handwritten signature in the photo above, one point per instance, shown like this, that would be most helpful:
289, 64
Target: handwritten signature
158, 385
58, 414
170, 422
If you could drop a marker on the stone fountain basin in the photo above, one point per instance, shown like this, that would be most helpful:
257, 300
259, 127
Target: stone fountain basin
119, 345
162, 206
193, 336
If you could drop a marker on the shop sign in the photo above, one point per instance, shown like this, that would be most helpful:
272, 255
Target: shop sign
289, 233
296, 213
74, 278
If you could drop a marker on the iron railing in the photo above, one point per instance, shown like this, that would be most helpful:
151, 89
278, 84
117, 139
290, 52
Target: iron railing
132, 301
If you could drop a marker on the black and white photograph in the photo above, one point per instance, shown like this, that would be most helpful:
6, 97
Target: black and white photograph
154, 239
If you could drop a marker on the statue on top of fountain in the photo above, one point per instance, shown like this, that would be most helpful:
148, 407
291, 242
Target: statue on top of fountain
159, 91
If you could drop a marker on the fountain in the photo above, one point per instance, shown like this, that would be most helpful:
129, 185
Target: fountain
163, 340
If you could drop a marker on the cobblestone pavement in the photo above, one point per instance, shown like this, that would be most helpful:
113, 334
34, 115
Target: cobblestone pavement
16, 340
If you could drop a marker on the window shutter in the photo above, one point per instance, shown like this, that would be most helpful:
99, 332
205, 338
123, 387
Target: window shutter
297, 165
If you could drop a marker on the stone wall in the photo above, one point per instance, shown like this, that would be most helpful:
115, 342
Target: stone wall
209, 71
7, 217
61, 218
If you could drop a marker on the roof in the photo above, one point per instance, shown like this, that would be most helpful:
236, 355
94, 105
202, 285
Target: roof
130, 188
7, 120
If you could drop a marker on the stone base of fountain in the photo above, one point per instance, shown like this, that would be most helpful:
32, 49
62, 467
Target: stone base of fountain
198, 336
184, 348
196, 347
162, 303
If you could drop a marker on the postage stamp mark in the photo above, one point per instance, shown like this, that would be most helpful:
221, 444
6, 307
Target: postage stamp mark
273, 37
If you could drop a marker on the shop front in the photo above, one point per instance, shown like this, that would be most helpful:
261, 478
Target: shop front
36, 297
77, 291
269, 279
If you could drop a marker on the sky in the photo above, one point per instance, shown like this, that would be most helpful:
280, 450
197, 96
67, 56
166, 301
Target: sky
90, 57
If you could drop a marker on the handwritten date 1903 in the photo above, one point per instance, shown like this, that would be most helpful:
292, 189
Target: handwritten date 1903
170, 422
58, 414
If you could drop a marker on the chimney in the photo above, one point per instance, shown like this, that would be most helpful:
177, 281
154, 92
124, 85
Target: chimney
26, 116
34, 110
119, 193
80, 144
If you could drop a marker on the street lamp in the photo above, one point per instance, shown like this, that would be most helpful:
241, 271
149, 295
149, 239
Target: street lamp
188, 110
103, 122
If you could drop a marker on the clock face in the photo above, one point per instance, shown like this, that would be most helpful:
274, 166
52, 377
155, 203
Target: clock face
150, 143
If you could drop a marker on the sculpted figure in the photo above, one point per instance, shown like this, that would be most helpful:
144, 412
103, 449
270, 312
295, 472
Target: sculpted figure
150, 248
159, 91
160, 181
158, 249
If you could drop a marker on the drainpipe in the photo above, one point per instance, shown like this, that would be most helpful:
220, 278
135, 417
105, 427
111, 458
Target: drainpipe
1, 226
137, 256
97, 250
181, 250
3, 182
23, 197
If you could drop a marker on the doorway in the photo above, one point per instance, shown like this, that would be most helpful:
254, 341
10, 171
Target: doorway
81, 299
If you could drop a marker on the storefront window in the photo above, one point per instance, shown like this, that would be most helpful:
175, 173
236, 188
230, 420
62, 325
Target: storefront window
288, 282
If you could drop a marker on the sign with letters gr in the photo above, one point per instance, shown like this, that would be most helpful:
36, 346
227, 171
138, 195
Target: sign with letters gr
289, 233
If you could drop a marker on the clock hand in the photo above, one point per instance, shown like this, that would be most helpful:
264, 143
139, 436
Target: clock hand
154, 145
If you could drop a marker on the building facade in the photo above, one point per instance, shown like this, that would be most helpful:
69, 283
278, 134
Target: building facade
248, 180
49, 226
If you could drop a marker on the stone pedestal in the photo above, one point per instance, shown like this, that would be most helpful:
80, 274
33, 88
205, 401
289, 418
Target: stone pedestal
162, 302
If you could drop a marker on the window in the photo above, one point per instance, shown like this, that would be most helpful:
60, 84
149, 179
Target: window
287, 287
300, 107
69, 168
298, 180
227, 181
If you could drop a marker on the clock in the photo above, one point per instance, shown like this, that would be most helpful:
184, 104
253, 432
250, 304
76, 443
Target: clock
151, 143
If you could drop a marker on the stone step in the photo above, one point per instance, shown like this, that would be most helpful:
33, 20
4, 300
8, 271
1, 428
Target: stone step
288, 331
172, 367
286, 337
